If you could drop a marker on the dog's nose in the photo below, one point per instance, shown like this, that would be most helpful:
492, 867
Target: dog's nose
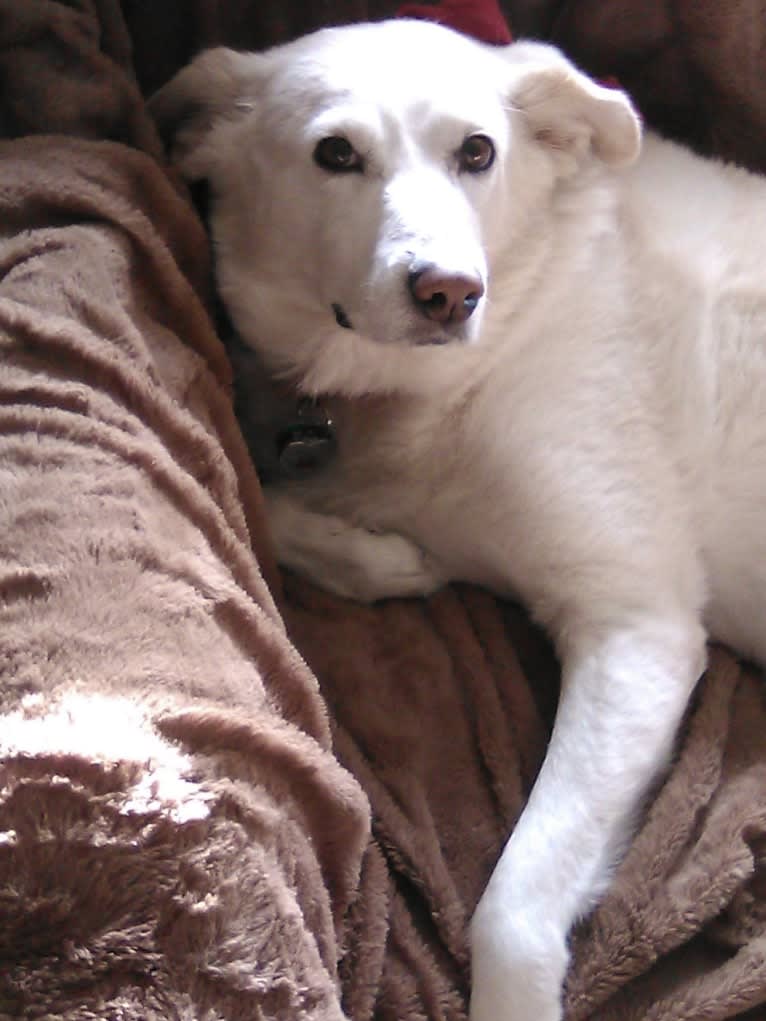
445, 297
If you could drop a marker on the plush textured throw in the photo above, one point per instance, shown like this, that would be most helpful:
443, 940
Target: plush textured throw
176, 836
221, 798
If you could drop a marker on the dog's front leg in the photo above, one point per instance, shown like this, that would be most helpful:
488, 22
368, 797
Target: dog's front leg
346, 559
623, 694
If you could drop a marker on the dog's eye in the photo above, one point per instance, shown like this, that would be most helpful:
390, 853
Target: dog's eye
477, 153
337, 154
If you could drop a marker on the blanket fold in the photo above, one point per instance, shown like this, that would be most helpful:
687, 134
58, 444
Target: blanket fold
175, 833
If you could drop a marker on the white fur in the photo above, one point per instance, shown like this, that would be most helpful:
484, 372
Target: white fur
592, 439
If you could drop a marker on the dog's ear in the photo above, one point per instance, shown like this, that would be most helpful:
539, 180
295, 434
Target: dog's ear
568, 111
219, 85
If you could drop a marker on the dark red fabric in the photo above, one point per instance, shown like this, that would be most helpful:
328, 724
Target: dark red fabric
482, 19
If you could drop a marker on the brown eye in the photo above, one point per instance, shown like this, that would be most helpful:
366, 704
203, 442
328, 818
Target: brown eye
477, 153
337, 155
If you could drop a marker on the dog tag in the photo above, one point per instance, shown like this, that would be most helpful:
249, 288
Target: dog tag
307, 443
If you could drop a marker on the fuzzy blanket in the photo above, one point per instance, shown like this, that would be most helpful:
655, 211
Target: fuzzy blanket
223, 794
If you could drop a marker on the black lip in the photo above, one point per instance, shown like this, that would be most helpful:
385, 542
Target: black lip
433, 341
340, 316
438, 340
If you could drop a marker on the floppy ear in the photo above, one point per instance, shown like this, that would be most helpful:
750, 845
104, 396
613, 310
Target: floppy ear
219, 85
570, 112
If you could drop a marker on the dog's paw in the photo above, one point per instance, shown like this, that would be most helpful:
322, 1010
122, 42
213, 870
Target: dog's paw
350, 561
383, 565
518, 966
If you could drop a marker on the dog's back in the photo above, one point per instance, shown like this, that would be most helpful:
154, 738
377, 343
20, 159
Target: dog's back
696, 227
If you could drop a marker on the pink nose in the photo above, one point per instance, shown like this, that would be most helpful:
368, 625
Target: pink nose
445, 297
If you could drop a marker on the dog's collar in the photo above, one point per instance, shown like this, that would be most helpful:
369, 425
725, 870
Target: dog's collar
296, 443
290, 435
307, 442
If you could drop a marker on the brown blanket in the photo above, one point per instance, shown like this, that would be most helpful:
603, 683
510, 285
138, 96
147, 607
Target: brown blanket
185, 825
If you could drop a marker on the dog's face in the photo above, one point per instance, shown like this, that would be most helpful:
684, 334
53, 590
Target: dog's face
369, 177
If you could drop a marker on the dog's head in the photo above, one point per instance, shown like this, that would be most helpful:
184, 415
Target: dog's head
366, 180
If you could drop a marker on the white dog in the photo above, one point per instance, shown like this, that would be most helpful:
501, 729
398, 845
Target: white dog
546, 358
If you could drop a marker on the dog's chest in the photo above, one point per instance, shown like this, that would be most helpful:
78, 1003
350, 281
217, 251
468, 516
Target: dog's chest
402, 464
437, 472
395, 454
